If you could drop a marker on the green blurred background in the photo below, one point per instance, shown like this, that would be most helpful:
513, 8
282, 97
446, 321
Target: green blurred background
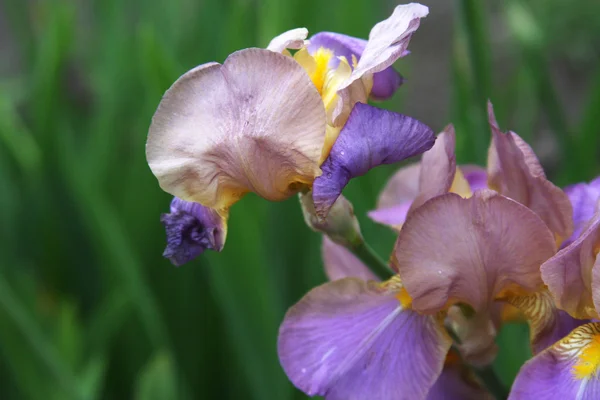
88, 307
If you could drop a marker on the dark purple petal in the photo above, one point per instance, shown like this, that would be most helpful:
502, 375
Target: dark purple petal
349, 340
457, 383
385, 83
550, 375
191, 229
585, 199
371, 137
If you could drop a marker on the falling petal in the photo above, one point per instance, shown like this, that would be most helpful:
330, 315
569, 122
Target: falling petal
255, 123
471, 250
352, 340
371, 137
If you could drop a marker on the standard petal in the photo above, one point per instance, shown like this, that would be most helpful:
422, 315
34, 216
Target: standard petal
514, 171
388, 40
547, 324
397, 196
585, 199
371, 137
292, 39
256, 123
471, 250
348, 340
569, 273
438, 167
556, 373
191, 229
341, 263
385, 83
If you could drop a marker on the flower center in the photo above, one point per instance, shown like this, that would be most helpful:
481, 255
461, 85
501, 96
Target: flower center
588, 360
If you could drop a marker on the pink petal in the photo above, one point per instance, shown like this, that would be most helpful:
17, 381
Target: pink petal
256, 123
471, 250
351, 340
388, 40
569, 274
514, 171
341, 263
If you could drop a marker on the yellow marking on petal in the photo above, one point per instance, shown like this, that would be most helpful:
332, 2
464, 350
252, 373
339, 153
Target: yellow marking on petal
588, 359
404, 298
460, 185
331, 135
316, 65
333, 80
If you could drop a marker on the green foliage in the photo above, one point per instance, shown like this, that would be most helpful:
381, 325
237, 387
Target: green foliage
88, 307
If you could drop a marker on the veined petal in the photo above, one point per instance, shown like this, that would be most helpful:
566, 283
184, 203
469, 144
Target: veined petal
371, 137
514, 171
564, 371
385, 82
292, 39
397, 196
341, 263
388, 40
255, 123
192, 228
471, 250
352, 340
547, 324
585, 199
569, 274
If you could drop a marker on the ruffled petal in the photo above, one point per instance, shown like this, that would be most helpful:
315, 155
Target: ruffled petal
292, 39
352, 340
371, 137
555, 374
569, 274
385, 83
547, 324
388, 40
256, 123
514, 171
397, 196
471, 250
585, 199
341, 263
192, 228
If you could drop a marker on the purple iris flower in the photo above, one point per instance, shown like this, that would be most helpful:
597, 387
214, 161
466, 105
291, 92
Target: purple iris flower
191, 228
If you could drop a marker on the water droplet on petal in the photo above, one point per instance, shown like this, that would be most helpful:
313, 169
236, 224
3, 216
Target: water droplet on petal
329, 175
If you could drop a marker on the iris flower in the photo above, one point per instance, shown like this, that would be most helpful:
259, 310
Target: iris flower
568, 369
513, 170
273, 123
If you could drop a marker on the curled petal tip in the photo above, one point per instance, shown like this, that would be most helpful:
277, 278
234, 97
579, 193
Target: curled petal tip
292, 39
191, 229
371, 137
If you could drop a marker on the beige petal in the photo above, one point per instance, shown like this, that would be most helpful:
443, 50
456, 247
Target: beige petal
254, 124
292, 39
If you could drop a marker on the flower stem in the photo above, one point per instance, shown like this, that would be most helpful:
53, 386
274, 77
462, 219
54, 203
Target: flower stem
371, 259
492, 382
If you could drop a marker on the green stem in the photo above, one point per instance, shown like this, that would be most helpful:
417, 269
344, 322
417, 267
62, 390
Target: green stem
492, 382
372, 260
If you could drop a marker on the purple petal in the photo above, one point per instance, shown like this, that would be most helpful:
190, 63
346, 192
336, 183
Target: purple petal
349, 340
385, 83
585, 199
569, 273
341, 263
191, 229
371, 137
550, 374
393, 216
388, 40
456, 382
475, 175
